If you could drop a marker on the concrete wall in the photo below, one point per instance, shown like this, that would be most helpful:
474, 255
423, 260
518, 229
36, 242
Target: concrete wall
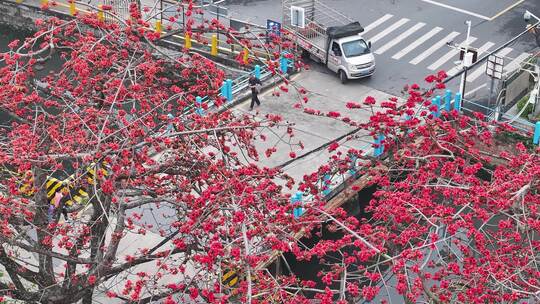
21, 16
516, 87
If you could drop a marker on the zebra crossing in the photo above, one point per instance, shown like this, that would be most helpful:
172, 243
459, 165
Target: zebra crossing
448, 56
417, 44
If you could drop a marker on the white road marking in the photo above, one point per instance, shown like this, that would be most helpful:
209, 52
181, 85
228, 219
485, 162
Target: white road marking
388, 30
457, 9
417, 43
515, 64
376, 23
483, 49
434, 48
399, 38
452, 53
482, 68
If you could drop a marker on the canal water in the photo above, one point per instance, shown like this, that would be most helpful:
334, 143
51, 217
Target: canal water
8, 34
308, 270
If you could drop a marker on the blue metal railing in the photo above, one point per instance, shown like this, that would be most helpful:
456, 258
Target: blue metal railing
238, 85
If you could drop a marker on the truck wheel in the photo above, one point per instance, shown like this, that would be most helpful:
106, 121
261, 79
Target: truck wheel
342, 76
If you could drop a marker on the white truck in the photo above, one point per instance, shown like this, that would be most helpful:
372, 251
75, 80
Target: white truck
329, 37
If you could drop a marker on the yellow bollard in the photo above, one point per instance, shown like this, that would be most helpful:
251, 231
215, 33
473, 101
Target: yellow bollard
214, 50
72, 8
188, 41
246, 55
100, 15
158, 27
44, 2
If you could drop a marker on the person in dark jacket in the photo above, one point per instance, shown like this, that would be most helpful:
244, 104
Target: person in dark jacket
254, 84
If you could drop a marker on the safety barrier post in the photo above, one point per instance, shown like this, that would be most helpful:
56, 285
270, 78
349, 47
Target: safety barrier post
448, 101
158, 27
379, 150
187, 43
326, 182
405, 119
72, 8
224, 92
352, 169
257, 71
245, 55
437, 103
283, 62
297, 199
100, 15
170, 126
214, 49
229, 90
199, 110
536, 138
457, 102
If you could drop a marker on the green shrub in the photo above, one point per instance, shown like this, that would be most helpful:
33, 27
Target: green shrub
521, 103
513, 137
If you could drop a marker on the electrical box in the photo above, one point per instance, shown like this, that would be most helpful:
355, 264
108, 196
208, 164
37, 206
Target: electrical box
298, 16
472, 51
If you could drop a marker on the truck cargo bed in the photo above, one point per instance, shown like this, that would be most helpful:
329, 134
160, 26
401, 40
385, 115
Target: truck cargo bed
318, 41
318, 17
316, 12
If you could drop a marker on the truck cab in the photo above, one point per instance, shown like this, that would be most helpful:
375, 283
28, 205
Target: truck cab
351, 58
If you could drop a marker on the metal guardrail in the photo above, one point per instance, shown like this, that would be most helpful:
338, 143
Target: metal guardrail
487, 110
486, 56
518, 123
70, 9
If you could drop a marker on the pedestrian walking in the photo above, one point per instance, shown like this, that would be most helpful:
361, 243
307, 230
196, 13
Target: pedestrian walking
254, 84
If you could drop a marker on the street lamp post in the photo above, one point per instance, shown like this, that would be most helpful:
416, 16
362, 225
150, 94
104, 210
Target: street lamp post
467, 61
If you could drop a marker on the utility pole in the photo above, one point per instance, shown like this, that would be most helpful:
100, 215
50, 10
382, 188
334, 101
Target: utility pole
466, 62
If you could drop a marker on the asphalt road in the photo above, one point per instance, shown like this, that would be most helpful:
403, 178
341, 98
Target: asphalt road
435, 22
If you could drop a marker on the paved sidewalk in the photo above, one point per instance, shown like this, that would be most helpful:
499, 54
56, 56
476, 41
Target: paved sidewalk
325, 93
